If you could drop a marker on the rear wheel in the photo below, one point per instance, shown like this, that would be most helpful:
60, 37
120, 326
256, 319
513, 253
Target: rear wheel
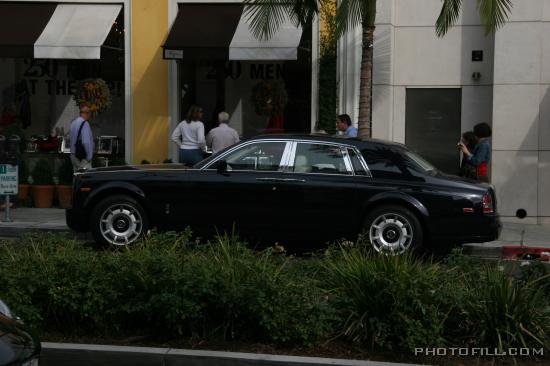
118, 221
393, 229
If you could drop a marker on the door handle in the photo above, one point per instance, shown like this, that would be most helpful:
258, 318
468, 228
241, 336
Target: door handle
281, 180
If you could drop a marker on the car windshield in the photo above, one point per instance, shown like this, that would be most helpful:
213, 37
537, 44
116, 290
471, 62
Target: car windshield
420, 162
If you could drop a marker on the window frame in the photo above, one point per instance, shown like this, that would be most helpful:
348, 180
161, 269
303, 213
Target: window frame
343, 148
282, 163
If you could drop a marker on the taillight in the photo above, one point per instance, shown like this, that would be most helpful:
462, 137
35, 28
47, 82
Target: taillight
487, 202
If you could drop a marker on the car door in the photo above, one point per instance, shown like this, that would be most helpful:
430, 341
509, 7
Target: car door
245, 198
325, 207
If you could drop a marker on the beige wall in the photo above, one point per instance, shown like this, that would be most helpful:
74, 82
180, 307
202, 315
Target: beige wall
149, 80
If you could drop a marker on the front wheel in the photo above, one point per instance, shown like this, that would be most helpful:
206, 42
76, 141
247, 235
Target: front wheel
118, 221
393, 229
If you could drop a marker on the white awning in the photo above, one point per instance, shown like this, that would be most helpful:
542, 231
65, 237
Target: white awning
282, 46
76, 31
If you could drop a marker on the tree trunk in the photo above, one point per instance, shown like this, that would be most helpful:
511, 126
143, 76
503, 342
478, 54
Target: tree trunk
365, 88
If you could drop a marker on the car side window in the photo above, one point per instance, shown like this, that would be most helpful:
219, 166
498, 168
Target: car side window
319, 158
356, 163
387, 163
264, 156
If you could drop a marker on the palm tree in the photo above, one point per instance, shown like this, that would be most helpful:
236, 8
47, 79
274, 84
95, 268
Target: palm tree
268, 15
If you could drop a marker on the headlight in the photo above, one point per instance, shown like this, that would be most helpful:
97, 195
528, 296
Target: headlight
5, 310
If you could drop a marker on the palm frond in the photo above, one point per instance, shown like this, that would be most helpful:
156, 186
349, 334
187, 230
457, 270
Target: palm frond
266, 16
351, 13
450, 11
493, 13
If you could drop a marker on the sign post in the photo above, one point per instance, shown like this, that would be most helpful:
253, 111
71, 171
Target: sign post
8, 185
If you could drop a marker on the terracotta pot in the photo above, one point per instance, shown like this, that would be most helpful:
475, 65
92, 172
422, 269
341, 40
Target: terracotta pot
42, 196
23, 191
65, 196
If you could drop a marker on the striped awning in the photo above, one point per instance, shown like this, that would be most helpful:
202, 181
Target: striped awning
222, 31
49, 30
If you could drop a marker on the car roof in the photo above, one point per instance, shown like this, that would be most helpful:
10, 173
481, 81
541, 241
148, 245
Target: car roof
356, 141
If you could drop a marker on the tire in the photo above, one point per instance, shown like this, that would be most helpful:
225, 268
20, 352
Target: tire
393, 229
118, 221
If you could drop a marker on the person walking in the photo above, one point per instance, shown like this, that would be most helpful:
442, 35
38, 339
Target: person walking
81, 140
480, 157
189, 136
343, 124
222, 136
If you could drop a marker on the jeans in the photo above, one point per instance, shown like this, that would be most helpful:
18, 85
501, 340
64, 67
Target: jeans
190, 156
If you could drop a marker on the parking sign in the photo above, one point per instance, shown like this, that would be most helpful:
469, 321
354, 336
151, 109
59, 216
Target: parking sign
8, 179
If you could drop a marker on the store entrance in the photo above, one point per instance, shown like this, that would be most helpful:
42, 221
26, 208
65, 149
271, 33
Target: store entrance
260, 96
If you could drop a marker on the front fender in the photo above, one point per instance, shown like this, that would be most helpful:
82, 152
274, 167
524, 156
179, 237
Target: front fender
117, 186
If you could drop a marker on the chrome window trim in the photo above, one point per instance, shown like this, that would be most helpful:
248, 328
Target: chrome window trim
362, 162
287, 160
347, 160
244, 144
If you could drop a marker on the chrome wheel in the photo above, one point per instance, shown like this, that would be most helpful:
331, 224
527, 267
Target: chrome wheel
121, 224
391, 233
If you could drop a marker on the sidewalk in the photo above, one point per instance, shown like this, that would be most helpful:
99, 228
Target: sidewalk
53, 219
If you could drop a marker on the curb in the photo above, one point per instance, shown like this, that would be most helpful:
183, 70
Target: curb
61, 354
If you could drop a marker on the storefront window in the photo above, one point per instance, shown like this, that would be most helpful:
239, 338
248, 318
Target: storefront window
36, 95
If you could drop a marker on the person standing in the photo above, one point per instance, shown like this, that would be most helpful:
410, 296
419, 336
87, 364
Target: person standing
189, 136
469, 139
343, 124
480, 157
80, 130
222, 136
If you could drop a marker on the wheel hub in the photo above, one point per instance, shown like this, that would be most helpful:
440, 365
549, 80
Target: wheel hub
121, 224
391, 233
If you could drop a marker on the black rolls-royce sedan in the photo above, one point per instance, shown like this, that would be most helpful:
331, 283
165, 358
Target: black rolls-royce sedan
301, 190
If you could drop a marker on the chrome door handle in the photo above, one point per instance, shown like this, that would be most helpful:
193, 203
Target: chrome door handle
281, 180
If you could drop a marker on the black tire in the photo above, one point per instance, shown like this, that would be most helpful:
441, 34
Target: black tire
118, 221
393, 229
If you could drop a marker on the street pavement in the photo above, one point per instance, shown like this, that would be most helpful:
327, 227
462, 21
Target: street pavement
53, 219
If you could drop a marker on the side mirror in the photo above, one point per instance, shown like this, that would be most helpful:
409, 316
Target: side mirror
221, 167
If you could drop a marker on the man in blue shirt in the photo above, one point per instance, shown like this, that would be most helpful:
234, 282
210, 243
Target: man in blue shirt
86, 137
343, 123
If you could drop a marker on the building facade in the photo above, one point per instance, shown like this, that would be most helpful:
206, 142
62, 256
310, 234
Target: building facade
428, 90
150, 87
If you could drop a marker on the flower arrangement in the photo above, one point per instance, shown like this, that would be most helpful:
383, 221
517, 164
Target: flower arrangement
95, 93
269, 98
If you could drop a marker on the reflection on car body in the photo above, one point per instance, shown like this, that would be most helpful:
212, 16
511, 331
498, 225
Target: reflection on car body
295, 189
18, 345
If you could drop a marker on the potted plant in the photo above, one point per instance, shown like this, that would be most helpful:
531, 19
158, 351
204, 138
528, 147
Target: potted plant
65, 186
42, 184
23, 189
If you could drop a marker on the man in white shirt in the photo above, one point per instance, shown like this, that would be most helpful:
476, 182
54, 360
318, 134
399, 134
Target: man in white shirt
222, 136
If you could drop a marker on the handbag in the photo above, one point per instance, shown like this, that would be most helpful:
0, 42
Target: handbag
79, 150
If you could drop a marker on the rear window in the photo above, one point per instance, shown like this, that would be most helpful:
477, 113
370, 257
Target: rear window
395, 163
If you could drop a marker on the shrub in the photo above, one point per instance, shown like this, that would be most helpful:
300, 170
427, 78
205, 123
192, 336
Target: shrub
65, 172
23, 172
388, 301
503, 313
42, 173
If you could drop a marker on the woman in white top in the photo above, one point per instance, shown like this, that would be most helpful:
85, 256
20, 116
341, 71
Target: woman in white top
189, 136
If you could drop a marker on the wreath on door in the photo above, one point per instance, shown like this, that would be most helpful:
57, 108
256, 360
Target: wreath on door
269, 98
94, 93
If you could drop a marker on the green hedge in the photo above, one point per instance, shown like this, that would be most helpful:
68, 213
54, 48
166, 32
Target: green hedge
173, 286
